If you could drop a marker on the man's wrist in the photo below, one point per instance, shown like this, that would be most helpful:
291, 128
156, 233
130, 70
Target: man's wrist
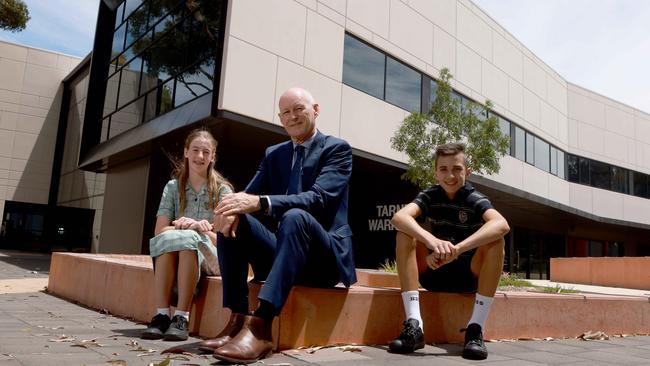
264, 204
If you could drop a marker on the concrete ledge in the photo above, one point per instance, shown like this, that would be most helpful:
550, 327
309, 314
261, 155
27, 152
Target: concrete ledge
123, 285
626, 272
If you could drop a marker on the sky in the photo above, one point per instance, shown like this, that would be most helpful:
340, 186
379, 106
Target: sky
65, 26
600, 45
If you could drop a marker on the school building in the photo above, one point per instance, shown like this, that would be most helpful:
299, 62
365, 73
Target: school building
85, 144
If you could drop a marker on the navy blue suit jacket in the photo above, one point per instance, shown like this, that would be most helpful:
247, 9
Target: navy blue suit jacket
326, 171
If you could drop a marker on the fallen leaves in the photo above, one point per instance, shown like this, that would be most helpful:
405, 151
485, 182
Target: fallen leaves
593, 336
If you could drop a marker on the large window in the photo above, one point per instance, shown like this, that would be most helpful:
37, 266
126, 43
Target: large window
163, 56
371, 71
403, 85
363, 67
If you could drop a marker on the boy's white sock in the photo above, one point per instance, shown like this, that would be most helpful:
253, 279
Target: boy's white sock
163, 311
481, 310
411, 300
184, 314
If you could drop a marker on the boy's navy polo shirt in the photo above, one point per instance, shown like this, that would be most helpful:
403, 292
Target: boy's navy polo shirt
452, 220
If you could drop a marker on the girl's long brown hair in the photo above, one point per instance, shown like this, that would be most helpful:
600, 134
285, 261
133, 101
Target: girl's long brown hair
182, 171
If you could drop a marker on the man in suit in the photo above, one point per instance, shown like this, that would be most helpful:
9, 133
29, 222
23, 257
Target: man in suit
303, 185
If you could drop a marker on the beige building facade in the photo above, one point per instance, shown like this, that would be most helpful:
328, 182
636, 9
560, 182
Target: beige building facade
574, 184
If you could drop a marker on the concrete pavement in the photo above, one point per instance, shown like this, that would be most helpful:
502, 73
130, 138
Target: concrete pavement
40, 329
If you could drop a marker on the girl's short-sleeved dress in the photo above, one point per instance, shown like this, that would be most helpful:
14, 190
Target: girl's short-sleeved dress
197, 208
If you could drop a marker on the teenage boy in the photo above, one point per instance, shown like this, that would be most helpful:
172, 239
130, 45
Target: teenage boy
463, 252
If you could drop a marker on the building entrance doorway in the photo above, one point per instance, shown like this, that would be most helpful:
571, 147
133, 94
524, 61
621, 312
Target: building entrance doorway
529, 252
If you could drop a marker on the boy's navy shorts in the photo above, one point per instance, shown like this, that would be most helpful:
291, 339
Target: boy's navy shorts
455, 276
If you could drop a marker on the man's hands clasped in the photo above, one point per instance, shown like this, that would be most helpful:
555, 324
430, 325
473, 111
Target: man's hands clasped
226, 215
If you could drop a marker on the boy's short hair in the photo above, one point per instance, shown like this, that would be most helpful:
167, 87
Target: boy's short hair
450, 149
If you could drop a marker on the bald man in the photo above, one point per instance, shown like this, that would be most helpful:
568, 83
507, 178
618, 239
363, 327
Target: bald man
302, 184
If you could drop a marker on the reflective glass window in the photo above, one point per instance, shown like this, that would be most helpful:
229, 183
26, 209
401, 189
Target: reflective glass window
572, 168
504, 127
560, 163
520, 144
641, 182
363, 67
530, 148
403, 85
600, 175
619, 179
118, 41
542, 155
194, 83
583, 168
119, 15
434, 91
136, 25
110, 98
130, 6
553, 160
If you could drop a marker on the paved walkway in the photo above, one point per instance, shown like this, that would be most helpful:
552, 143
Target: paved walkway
40, 329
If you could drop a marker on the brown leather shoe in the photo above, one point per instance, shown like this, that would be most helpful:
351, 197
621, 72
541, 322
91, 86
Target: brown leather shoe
254, 342
231, 329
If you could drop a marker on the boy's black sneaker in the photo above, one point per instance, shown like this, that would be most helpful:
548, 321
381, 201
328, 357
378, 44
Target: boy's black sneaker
177, 330
474, 348
157, 328
409, 340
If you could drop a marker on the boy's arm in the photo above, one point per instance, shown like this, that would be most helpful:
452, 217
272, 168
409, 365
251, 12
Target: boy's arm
495, 227
404, 221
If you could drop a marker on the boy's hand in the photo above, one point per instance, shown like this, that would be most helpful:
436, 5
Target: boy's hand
443, 252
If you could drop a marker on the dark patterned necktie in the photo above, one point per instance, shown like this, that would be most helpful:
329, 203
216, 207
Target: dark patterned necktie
294, 179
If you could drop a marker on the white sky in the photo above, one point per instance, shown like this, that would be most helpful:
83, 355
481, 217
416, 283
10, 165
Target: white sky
601, 45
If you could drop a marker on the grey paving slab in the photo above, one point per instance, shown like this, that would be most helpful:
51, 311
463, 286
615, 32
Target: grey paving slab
545, 357
612, 358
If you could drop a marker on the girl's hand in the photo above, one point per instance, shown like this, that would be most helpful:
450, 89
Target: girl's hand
201, 226
183, 223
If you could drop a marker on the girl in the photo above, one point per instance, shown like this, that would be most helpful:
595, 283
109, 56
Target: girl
185, 243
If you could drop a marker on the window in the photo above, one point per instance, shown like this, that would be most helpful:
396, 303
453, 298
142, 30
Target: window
619, 179
530, 148
363, 67
520, 144
163, 55
504, 127
542, 156
583, 167
403, 85
560, 164
599, 173
641, 188
573, 172
434, 92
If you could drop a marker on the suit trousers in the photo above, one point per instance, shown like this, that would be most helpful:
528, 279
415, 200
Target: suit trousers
300, 252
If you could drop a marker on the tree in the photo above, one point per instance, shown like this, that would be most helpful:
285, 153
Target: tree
450, 119
14, 15
185, 41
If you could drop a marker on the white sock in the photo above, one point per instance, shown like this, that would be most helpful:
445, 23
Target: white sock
184, 314
481, 310
163, 311
411, 300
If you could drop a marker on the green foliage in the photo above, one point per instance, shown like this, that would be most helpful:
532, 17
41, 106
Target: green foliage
14, 15
388, 266
178, 44
513, 280
557, 289
449, 120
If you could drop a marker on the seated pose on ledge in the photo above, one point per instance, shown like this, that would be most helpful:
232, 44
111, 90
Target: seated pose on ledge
462, 253
302, 185
185, 243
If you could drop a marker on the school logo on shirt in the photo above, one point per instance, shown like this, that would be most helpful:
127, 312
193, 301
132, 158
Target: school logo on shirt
462, 216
